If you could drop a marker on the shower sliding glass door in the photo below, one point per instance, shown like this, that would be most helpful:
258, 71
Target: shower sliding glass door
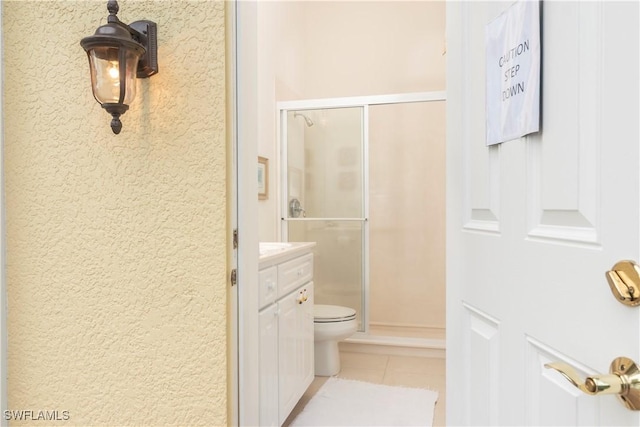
363, 177
324, 187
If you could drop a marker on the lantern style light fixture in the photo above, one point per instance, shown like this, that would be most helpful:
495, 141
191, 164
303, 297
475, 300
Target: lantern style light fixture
118, 53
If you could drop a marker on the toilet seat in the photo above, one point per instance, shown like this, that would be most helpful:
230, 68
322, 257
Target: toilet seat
332, 313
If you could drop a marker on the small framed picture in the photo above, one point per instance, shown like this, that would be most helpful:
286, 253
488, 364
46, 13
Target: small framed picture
263, 178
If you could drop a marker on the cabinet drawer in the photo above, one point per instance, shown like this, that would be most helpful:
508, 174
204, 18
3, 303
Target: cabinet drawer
294, 273
267, 286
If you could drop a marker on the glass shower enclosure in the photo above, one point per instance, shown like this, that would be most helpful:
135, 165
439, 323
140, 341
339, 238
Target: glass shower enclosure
323, 182
363, 177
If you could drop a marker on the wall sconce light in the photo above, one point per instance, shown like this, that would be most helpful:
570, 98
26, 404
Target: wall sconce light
118, 53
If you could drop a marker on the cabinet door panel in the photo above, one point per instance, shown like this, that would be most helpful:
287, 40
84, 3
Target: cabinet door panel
288, 344
269, 366
305, 323
295, 327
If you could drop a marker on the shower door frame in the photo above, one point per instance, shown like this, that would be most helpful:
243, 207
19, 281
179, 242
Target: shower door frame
363, 102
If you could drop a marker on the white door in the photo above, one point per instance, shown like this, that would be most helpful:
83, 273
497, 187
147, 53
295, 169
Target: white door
534, 224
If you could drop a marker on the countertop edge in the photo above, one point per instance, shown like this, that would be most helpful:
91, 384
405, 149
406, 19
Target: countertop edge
276, 257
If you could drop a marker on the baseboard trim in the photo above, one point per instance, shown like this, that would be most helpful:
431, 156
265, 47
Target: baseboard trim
394, 346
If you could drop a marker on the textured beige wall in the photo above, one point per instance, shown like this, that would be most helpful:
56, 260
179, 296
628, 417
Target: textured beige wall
116, 244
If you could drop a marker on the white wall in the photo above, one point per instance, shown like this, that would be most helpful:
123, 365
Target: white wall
280, 54
372, 48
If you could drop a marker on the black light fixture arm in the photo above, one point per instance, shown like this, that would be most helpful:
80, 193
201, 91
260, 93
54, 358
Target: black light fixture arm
143, 32
146, 33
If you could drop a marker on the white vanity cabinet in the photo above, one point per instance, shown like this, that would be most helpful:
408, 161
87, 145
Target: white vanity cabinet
286, 331
295, 348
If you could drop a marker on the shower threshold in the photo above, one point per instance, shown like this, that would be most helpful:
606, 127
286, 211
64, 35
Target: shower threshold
406, 331
399, 345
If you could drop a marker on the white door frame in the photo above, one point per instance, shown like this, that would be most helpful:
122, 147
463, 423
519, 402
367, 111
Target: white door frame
243, 311
232, 211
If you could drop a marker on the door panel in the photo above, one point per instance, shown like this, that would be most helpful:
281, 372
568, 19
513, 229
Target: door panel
482, 356
548, 389
563, 160
481, 172
534, 224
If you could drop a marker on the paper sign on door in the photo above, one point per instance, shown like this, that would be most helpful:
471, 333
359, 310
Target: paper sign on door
513, 73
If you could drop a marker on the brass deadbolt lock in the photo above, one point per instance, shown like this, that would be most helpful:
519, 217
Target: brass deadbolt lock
624, 281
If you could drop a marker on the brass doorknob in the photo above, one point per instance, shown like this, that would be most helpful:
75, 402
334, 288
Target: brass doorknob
623, 380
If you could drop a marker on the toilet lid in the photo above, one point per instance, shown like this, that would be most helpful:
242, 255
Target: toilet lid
332, 313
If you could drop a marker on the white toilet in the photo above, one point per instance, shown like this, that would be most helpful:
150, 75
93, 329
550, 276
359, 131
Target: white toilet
331, 323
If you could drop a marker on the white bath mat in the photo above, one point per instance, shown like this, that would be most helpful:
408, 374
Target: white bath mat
341, 402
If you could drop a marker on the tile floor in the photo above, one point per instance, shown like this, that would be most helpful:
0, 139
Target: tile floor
407, 371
